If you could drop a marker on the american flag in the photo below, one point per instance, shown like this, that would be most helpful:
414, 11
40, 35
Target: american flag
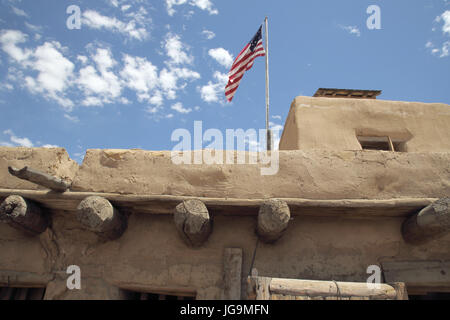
244, 62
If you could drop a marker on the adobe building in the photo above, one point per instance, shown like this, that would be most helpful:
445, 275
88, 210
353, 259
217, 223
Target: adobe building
362, 184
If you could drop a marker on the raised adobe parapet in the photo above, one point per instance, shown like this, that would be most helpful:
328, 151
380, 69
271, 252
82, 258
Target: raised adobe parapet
312, 174
52, 161
306, 174
335, 123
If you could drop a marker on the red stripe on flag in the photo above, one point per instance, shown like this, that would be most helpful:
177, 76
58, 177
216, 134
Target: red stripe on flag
247, 66
242, 63
245, 60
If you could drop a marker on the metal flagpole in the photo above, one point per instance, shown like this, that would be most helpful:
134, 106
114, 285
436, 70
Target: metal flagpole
269, 133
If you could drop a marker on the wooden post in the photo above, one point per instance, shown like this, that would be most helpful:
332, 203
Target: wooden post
432, 222
193, 222
232, 266
40, 178
263, 288
24, 215
273, 220
391, 145
400, 288
99, 216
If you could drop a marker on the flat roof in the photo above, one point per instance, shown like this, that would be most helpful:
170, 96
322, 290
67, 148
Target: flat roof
347, 93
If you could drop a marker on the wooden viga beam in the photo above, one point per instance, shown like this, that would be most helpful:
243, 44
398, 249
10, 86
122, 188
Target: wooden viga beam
263, 288
98, 215
273, 219
24, 215
432, 222
193, 222
40, 178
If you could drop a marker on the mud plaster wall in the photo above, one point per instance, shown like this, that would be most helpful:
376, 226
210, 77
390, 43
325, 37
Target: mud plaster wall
311, 174
333, 123
151, 256
54, 161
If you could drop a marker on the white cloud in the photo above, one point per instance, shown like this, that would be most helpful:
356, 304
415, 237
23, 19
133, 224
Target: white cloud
441, 52
168, 83
33, 27
139, 74
204, 5
153, 110
437, 50
208, 34
214, 90
152, 85
9, 39
95, 20
176, 50
352, 30
19, 12
98, 76
7, 86
74, 119
169, 80
100, 85
276, 117
445, 49
222, 56
201, 4
82, 58
178, 107
114, 3
185, 73
14, 140
49, 146
92, 102
157, 99
445, 17
55, 73
54, 70
171, 3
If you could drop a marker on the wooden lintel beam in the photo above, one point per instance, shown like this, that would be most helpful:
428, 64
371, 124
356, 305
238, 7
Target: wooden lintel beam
165, 204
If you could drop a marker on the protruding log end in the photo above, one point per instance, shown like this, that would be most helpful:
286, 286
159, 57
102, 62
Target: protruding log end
97, 214
432, 222
24, 215
273, 220
40, 178
193, 222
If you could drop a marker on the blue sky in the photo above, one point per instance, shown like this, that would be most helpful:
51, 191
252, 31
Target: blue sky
139, 69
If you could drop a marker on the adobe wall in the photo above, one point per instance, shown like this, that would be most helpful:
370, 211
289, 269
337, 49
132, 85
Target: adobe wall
150, 255
312, 174
333, 123
54, 161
